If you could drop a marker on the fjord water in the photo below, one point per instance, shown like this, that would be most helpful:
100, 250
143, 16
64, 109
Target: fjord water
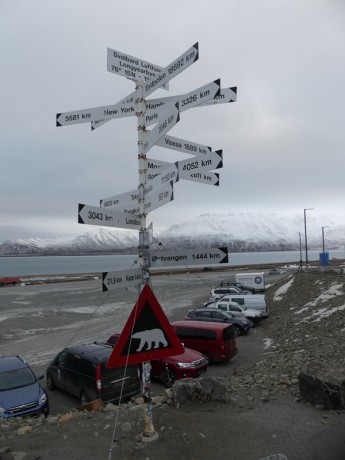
67, 265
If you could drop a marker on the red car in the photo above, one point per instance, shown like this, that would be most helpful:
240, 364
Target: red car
190, 364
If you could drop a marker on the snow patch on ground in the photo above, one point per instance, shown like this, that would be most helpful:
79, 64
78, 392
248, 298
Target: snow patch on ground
268, 343
334, 291
282, 290
322, 313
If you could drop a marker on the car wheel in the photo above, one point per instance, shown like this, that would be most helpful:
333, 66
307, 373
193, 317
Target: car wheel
168, 377
84, 399
251, 322
50, 382
237, 330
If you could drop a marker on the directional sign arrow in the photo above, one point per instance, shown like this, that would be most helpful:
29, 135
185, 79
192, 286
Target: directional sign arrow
169, 172
188, 257
131, 67
172, 70
226, 95
159, 197
92, 215
207, 162
181, 145
121, 279
201, 163
107, 112
170, 117
118, 201
186, 101
209, 178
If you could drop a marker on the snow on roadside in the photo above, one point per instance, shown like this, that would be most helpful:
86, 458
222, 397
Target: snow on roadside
282, 290
336, 289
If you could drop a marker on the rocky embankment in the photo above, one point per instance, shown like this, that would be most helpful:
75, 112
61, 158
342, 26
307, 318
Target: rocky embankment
306, 325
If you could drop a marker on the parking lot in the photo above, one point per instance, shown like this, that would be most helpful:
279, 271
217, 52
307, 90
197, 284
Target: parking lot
37, 321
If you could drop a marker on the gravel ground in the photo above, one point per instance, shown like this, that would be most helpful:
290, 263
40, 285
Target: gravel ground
265, 419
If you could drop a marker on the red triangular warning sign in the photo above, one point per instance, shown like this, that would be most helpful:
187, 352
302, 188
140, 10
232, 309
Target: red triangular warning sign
147, 334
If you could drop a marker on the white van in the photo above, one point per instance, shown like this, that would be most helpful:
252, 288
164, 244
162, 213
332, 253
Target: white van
255, 301
255, 280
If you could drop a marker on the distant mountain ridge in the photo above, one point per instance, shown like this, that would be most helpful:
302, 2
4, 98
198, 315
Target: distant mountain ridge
240, 232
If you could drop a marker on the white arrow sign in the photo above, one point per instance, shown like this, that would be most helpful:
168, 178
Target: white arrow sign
188, 257
181, 145
92, 215
131, 67
108, 112
170, 117
209, 178
153, 200
167, 174
201, 163
121, 279
129, 200
172, 70
154, 107
120, 201
158, 198
226, 95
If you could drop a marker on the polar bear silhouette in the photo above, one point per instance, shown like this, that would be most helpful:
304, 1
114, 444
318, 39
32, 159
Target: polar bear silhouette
152, 338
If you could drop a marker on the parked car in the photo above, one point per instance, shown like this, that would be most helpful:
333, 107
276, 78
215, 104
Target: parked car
240, 323
277, 271
21, 395
254, 317
237, 284
190, 364
216, 341
254, 302
81, 371
219, 291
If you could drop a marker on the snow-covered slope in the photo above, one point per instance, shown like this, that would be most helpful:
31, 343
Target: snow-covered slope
239, 232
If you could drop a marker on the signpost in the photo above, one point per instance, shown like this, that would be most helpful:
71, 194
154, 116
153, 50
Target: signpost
168, 120
131, 67
121, 279
92, 215
189, 257
187, 101
148, 333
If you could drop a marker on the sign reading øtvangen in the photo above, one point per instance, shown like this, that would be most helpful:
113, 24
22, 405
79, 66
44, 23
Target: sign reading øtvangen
188, 257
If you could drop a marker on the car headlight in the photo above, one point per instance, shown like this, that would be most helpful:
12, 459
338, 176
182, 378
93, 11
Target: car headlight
184, 365
43, 399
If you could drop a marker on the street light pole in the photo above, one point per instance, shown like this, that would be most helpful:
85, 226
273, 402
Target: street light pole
300, 250
305, 237
323, 238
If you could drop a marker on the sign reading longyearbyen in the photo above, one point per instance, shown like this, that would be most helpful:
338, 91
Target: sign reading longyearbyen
147, 335
188, 257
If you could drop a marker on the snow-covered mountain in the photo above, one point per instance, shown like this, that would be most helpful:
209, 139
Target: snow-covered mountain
239, 232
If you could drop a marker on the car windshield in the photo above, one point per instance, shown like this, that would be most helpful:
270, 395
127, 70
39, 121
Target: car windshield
16, 378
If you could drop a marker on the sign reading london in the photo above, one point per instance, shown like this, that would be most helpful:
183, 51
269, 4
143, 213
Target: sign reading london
188, 257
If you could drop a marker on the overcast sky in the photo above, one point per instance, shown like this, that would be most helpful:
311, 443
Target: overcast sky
283, 141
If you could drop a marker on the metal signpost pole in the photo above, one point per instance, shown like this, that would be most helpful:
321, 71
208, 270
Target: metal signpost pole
149, 432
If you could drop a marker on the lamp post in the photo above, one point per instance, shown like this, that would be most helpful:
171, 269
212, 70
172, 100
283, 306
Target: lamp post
300, 250
305, 236
323, 238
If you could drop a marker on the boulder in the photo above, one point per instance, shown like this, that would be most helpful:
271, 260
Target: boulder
323, 385
203, 389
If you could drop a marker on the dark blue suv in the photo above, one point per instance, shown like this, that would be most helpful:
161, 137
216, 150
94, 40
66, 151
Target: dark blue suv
20, 393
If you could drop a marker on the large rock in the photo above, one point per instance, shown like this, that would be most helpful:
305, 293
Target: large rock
324, 385
203, 389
